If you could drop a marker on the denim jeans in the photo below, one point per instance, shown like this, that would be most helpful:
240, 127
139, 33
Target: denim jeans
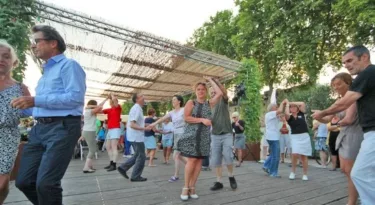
137, 160
45, 159
363, 174
127, 146
206, 161
272, 162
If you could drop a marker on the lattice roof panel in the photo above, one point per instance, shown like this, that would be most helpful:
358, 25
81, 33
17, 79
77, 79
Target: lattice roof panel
123, 61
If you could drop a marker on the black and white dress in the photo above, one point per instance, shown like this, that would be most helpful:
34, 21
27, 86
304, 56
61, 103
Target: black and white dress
195, 142
9, 133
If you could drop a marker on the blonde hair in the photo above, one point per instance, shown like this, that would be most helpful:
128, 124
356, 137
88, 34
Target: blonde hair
5, 44
235, 114
200, 83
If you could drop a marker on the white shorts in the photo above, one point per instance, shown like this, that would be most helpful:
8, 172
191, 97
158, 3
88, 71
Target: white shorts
114, 133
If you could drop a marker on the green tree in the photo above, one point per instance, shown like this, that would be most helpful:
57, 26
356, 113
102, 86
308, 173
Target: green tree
215, 35
126, 106
16, 19
251, 105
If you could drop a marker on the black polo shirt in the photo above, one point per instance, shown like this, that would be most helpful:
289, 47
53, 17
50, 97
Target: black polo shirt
364, 83
298, 125
237, 130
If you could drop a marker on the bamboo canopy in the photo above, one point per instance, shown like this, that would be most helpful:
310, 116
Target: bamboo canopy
123, 61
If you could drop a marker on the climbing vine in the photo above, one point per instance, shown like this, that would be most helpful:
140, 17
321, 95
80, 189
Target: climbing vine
250, 105
16, 20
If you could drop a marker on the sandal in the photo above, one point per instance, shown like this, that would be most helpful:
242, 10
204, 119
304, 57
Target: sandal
193, 196
184, 197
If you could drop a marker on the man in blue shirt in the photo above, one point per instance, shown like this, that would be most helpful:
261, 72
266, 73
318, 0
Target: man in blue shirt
57, 108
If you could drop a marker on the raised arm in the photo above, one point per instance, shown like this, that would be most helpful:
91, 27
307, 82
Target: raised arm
287, 110
301, 106
217, 90
222, 88
114, 100
193, 120
98, 109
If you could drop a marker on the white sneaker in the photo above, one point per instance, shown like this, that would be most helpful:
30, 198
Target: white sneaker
323, 166
292, 176
305, 178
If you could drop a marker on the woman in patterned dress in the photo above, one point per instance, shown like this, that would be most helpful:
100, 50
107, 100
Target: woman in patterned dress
194, 144
9, 116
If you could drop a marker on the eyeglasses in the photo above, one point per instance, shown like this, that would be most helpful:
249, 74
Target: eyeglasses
37, 40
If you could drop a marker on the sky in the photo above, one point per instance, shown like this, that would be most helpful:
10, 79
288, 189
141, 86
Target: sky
172, 19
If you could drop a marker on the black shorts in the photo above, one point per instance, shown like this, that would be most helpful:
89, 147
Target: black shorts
332, 143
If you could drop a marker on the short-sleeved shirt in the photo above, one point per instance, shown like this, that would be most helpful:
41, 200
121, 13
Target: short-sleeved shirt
167, 127
89, 121
114, 116
272, 126
236, 129
136, 115
221, 123
322, 130
177, 118
298, 125
364, 83
149, 120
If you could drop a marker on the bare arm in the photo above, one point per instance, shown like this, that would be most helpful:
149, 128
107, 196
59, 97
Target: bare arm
25, 90
218, 92
160, 120
135, 126
344, 103
287, 111
222, 88
350, 115
114, 99
187, 114
332, 127
301, 105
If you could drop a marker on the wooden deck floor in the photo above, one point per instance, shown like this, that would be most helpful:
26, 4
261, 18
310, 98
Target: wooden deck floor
110, 188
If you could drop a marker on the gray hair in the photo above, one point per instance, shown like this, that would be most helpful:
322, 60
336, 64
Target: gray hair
270, 106
358, 51
5, 44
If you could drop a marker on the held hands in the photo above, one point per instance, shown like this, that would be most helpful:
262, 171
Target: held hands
317, 114
208, 78
23, 102
206, 122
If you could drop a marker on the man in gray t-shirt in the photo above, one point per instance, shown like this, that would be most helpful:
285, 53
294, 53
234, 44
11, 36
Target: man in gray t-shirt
221, 138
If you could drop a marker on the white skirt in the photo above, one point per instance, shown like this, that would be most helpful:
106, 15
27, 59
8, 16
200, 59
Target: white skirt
301, 144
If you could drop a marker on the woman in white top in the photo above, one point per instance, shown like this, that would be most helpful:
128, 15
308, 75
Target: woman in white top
177, 117
89, 131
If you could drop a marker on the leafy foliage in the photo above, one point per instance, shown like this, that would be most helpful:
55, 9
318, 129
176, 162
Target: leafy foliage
251, 104
290, 40
126, 106
16, 19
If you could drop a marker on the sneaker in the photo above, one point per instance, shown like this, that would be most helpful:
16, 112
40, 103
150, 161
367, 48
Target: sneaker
173, 179
323, 166
217, 186
305, 178
265, 170
233, 183
122, 172
292, 176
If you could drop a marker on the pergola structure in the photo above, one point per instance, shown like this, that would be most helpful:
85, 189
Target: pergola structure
123, 61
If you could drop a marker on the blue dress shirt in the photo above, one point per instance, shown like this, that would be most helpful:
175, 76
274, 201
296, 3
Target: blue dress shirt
61, 89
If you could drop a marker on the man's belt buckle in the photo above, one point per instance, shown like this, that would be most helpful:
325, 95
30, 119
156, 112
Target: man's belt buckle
45, 120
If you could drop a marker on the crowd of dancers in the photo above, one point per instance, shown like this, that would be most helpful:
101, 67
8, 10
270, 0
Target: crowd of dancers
200, 128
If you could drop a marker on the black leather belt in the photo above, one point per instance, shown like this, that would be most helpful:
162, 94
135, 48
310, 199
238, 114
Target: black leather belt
47, 120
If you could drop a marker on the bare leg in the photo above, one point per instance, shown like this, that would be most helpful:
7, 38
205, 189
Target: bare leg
294, 162
4, 187
334, 161
197, 171
114, 149
346, 167
219, 173
239, 154
169, 150
265, 152
165, 154
152, 154
282, 157
305, 164
109, 149
189, 173
323, 157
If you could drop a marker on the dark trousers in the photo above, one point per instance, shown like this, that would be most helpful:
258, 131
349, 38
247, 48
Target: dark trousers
127, 146
45, 159
137, 160
206, 161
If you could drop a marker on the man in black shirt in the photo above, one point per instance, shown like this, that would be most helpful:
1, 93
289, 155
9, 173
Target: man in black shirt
362, 91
